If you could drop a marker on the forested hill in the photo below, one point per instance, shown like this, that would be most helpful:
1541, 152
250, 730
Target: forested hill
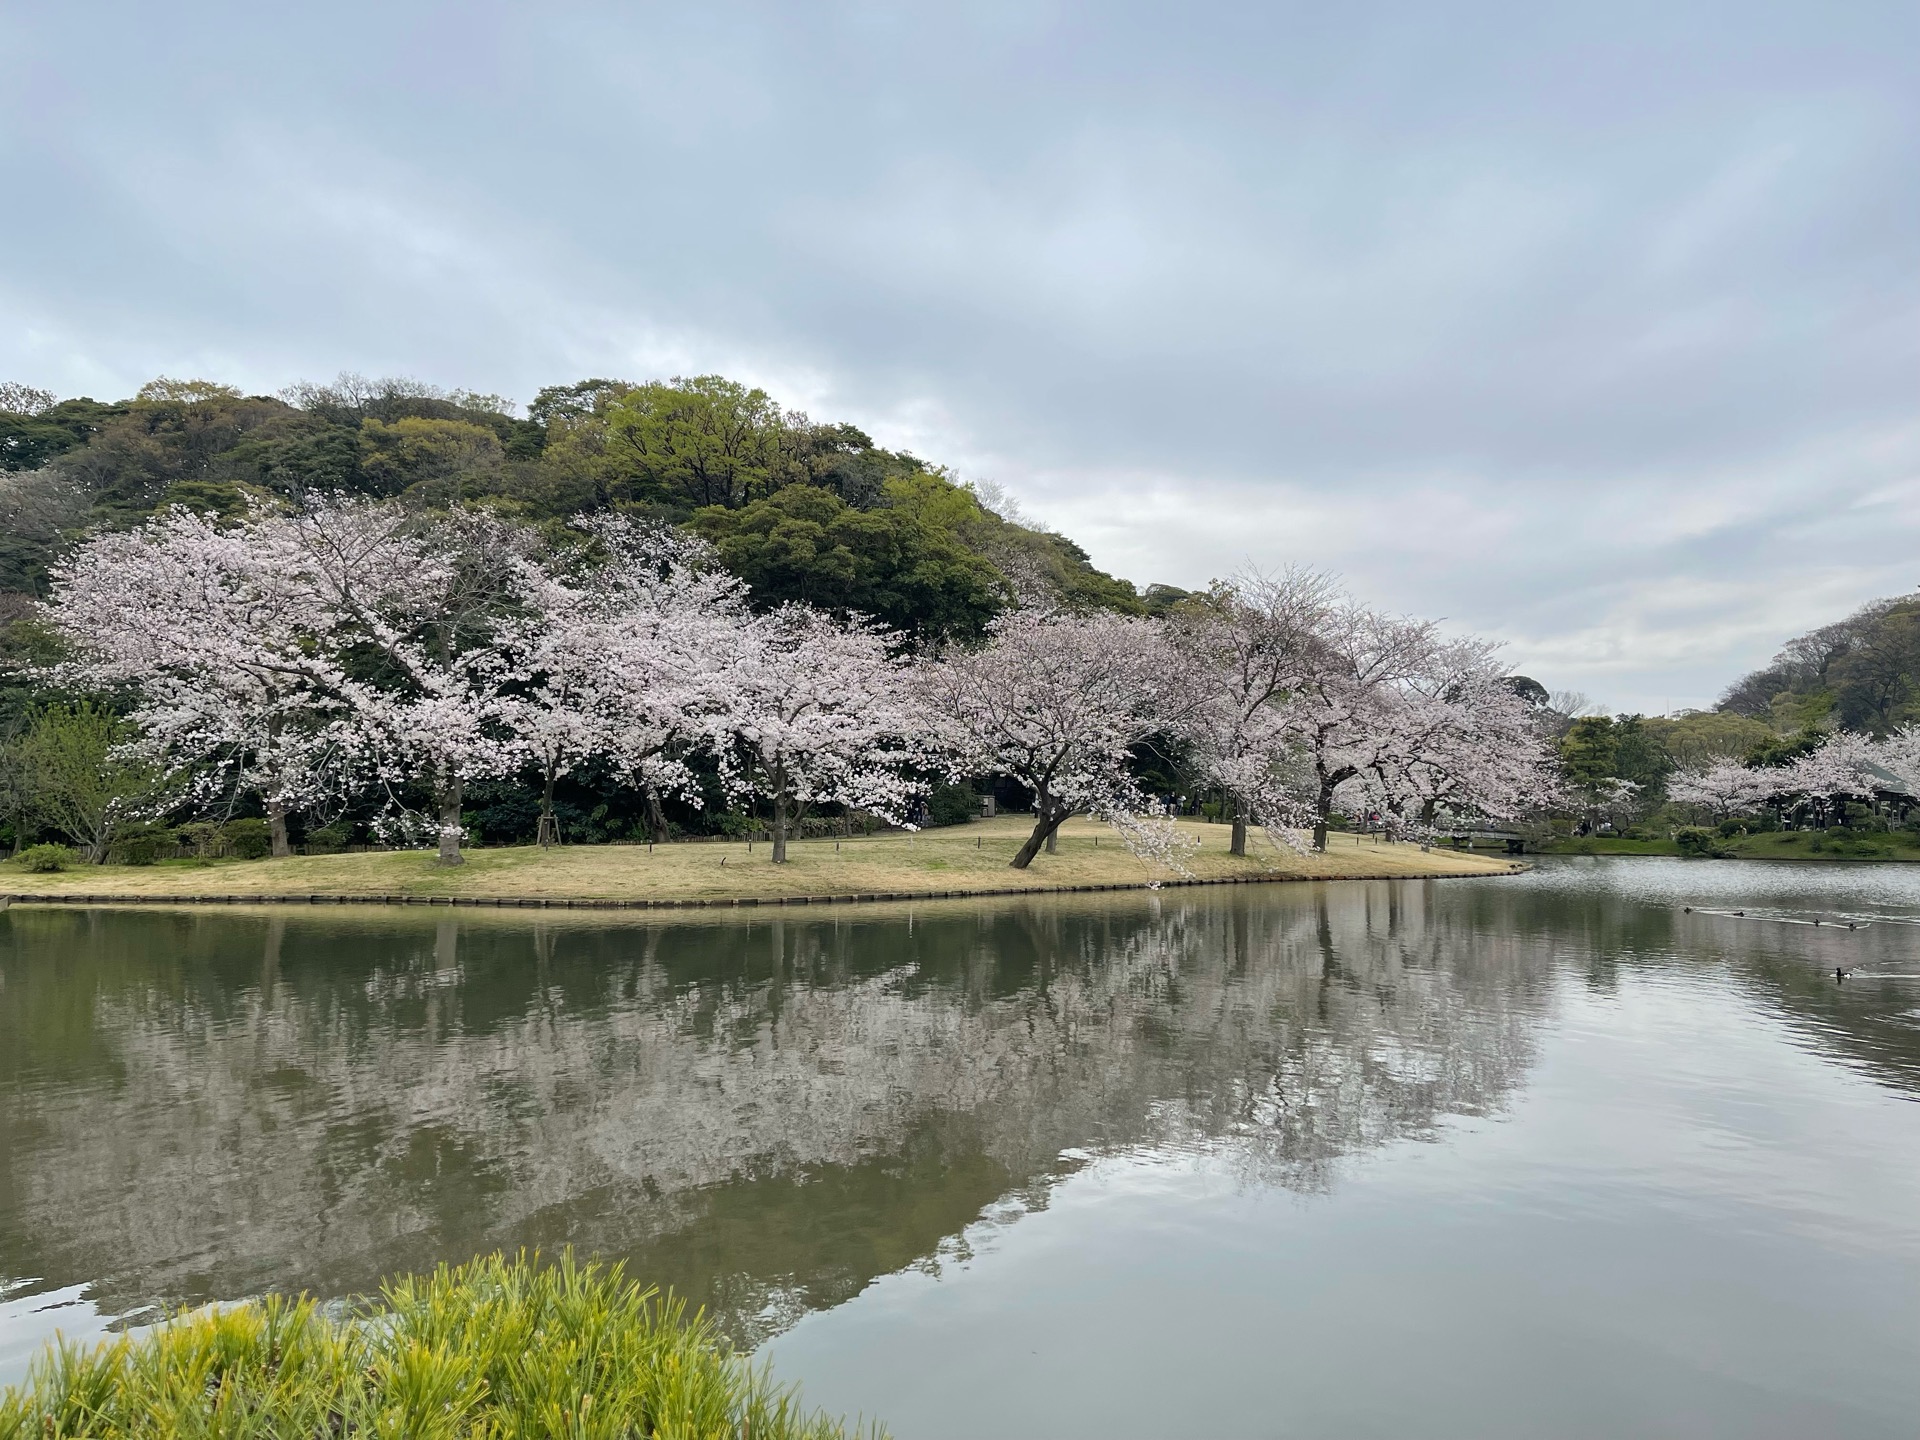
1861, 674
800, 510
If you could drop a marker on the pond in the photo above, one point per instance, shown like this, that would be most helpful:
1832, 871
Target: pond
1601, 1149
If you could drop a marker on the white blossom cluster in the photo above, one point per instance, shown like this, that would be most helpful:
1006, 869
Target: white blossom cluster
1845, 766
304, 658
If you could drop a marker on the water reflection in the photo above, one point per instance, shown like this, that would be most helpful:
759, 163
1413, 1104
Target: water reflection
765, 1114
769, 1113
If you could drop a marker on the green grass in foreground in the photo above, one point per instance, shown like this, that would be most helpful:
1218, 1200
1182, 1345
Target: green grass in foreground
497, 1348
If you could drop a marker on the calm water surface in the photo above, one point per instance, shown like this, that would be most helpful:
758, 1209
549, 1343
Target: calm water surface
1504, 1157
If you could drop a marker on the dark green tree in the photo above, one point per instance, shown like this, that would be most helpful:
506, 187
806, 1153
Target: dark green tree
805, 543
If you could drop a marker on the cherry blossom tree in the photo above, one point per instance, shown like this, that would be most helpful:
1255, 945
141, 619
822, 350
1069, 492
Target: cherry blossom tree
418, 603
221, 633
1725, 789
1350, 713
1460, 739
625, 662
815, 710
1845, 766
1247, 646
1831, 775
1054, 701
1899, 755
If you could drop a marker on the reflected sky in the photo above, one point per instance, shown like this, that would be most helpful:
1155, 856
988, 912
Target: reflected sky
1500, 1157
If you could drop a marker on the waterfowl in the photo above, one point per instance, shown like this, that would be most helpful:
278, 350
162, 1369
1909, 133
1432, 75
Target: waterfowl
1840, 974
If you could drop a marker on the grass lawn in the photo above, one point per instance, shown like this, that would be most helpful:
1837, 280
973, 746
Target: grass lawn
962, 859
1772, 845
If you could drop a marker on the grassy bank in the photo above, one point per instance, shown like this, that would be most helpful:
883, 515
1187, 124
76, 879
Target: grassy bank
962, 860
497, 1348
1775, 845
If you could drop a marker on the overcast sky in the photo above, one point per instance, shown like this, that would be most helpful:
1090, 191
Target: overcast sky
1596, 329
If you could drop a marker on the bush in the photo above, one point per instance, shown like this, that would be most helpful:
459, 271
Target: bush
499, 1347
1694, 840
201, 836
247, 839
952, 804
1727, 829
45, 859
142, 844
329, 839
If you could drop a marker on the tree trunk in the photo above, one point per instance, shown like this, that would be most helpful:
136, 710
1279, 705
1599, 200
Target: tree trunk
656, 817
277, 828
1044, 830
1238, 844
1321, 815
1053, 839
548, 831
780, 827
450, 822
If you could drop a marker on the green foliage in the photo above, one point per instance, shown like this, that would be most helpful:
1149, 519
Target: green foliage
704, 441
247, 839
443, 461
36, 433
908, 572
46, 859
1695, 840
329, 839
1163, 599
1862, 673
1638, 755
1699, 738
141, 844
952, 804
1782, 750
497, 1348
81, 782
1587, 752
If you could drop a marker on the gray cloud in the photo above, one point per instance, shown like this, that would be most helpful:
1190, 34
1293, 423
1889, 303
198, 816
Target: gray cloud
1597, 331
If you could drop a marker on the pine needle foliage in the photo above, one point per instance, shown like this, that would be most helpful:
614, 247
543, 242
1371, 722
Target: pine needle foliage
493, 1350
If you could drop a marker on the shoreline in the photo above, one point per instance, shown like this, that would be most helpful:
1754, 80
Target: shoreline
956, 863
537, 902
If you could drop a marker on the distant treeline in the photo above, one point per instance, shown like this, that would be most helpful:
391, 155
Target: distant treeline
801, 510
1861, 674
1857, 678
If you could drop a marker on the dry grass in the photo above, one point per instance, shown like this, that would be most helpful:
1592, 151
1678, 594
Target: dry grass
962, 860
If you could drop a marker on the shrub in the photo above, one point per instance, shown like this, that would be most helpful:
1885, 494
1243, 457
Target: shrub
499, 1347
1694, 840
329, 839
952, 804
142, 844
1727, 829
202, 836
45, 859
247, 839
